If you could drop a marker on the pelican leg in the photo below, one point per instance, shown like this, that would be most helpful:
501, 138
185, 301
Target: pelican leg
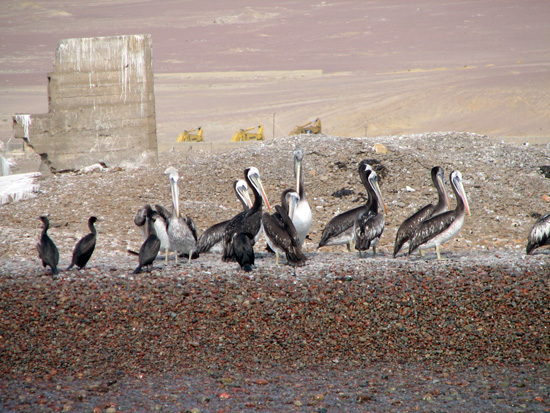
422, 253
166, 256
276, 258
190, 256
438, 253
176, 256
374, 252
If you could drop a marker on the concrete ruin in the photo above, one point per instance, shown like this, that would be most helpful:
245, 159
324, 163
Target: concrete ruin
101, 106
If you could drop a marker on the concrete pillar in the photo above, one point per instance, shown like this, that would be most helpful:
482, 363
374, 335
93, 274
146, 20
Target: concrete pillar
101, 105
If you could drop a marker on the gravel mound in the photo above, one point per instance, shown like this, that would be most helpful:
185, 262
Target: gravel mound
342, 333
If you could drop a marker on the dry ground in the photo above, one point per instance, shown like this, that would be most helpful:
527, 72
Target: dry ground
342, 333
426, 335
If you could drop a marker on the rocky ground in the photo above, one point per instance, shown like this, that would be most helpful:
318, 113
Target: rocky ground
342, 333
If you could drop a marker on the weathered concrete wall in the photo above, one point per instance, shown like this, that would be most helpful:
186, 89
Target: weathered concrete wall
101, 105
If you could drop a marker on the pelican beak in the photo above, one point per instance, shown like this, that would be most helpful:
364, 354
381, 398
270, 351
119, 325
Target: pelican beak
464, 198
264, 196
258, 184
175, 194
379, 196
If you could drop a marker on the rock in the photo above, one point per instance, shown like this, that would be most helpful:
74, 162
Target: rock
379, 148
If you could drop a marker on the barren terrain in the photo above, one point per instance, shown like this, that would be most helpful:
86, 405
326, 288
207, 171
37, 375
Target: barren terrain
343, 333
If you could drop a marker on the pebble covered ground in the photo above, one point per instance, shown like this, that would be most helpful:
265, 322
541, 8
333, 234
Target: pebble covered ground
342, 333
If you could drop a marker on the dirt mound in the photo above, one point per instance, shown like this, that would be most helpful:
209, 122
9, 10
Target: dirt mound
88, 338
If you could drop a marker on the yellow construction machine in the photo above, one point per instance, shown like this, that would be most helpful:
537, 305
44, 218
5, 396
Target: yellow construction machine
243, 135
313, 127
189, 136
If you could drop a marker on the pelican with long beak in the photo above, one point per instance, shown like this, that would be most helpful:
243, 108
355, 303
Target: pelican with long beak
211, 239
340, 229
369, 225
407, 228
439, 229
247, 222
182, 233
302, 214
280, 232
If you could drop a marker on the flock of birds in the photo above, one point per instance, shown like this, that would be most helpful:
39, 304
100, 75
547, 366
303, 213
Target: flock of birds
286, 228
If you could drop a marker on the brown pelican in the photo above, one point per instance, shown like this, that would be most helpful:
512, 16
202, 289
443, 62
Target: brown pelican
247, 222
85, 247
244, 252
280, 232
406, 230
47, 251
211, 239
439, 229
302, 214
182, 232
340, 229
539, 235
149, 249
369, 225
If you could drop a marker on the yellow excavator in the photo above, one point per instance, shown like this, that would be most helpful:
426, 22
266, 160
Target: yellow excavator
244, 135
189, 136
313, 127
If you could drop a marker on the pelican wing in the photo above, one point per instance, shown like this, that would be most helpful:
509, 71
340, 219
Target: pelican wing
211, 236
276, 230
430, 228
406, 229
539, 235
339, 224
369, 227
192, 227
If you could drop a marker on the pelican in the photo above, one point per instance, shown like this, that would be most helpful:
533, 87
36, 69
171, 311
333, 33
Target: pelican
47, 251
211, 239
247, 222
280, 232
182, 232
340, 229
302, 214
85, 247
406, 230
539, 235
441, 228
244, 252
369, 225
149, 249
